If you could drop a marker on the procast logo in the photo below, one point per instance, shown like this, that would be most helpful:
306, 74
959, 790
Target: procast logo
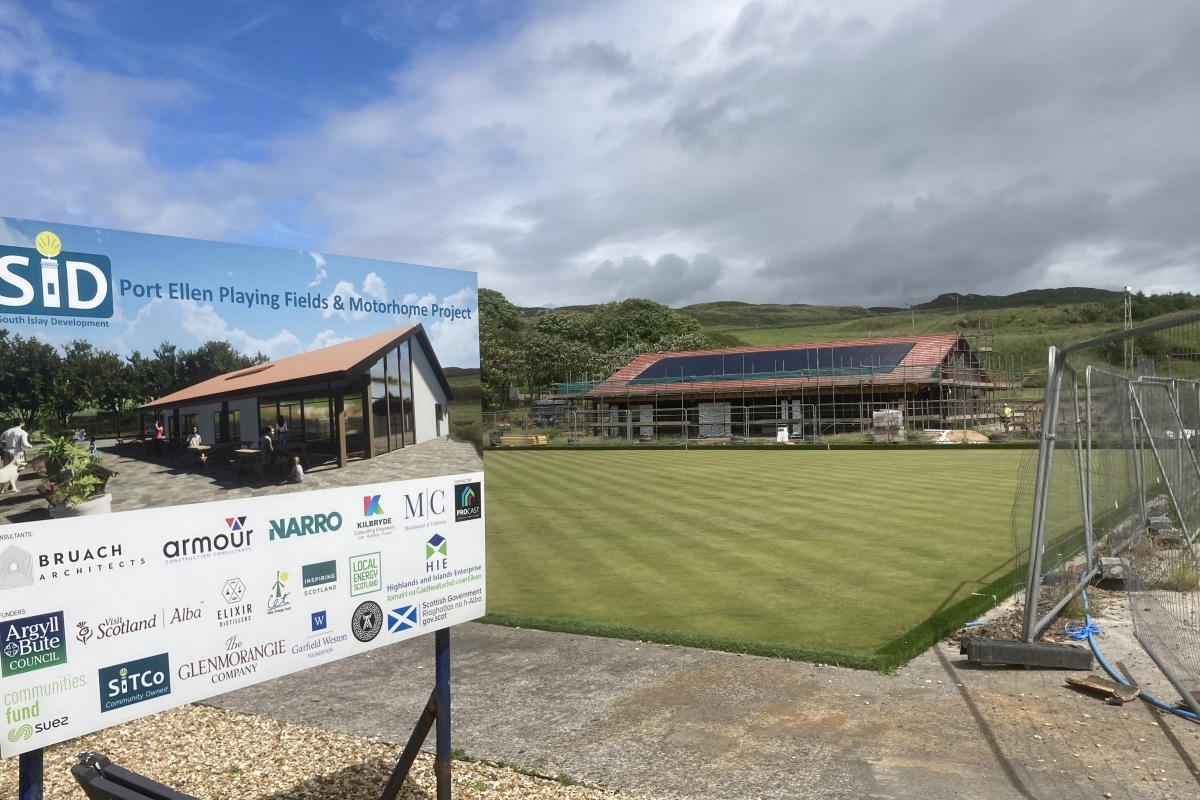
49, 282
468, 501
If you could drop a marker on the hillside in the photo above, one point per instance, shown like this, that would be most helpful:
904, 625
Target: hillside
1033, 297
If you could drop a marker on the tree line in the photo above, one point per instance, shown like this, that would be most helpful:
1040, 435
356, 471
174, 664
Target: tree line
40, 382
574, 345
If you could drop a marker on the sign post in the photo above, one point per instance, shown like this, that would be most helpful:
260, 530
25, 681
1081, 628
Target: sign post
266, 531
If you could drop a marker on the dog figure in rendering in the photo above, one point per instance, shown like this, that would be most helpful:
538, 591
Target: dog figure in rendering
8, 475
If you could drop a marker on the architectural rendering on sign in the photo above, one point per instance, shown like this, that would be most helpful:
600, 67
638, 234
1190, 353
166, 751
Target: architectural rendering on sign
357, 399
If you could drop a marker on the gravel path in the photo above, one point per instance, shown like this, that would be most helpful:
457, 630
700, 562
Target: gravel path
214, 754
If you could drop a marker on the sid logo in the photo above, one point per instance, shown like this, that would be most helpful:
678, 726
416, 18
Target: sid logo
51, 282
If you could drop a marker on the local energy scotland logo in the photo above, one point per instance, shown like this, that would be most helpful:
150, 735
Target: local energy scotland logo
47, 281
468, 501
31, 643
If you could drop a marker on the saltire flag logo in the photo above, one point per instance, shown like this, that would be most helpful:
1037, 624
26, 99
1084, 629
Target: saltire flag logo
435, 545
402, 619
371, 507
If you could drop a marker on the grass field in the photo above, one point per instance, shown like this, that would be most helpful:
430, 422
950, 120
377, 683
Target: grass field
844, 550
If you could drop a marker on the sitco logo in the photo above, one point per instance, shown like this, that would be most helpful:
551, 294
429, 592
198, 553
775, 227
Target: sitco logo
134, 682
31, 643
304, 526
50, 282
205, 546
468, 501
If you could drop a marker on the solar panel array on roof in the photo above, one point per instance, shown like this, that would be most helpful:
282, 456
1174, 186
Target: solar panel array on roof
801, 361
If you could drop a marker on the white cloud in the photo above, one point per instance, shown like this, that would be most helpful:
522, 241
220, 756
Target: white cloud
340, 296
456, 342
187, 324
325, 339
319, 261
13, 237
374, 286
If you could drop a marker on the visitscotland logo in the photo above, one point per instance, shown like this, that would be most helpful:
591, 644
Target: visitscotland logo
306, 525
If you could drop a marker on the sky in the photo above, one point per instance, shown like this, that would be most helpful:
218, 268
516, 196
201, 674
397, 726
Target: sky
261, 300
853, 152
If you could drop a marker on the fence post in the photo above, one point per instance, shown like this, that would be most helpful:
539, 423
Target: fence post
1084, 475
1041, 492
1161, 467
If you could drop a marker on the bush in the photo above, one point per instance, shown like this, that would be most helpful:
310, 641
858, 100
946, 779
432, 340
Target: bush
470, 430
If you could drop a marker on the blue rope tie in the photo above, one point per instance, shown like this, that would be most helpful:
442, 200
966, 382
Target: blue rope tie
1077, 632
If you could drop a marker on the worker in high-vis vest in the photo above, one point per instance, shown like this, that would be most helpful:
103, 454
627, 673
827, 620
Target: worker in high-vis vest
1007, 416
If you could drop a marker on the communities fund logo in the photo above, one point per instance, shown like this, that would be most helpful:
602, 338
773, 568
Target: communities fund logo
134, 682
31, 643
47, 281
468, 501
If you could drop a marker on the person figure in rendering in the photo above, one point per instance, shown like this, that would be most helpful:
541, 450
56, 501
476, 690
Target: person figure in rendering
194, 440
297, 474
1007, 414
16, 442
281, 431
158, 437
267, 447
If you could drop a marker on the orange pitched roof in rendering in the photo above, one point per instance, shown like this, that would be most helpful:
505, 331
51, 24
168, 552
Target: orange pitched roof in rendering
328, 362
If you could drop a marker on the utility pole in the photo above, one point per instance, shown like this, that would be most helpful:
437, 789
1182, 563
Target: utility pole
912, 310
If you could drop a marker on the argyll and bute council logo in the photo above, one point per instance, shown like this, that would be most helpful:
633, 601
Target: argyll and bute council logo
468, 501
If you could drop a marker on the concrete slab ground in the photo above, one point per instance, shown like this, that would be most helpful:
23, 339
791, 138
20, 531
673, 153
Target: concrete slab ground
672, 722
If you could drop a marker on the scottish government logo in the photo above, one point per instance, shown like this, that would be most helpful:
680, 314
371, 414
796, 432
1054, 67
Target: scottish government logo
402, 619
468, 501
16, 568
31, 643
367, 621
134, 682
49, 282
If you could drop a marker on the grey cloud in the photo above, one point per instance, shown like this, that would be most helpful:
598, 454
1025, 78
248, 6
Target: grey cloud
671, 279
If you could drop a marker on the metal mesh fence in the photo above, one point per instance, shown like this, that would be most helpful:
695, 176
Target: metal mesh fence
1116, 484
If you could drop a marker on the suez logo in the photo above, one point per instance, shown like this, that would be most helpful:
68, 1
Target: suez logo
237, 538
47, 281
134, 682
31, 643
26, 731
24, 706
468, 501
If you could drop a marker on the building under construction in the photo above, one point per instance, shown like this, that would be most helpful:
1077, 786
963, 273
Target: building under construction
797, 390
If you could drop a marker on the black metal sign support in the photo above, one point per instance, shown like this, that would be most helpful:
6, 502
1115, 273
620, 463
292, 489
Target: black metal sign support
437, 710
29, 775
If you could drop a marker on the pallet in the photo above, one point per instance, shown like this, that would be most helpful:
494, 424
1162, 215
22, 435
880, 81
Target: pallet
523, 441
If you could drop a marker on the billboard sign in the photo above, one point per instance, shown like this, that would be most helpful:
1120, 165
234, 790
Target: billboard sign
236, 463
